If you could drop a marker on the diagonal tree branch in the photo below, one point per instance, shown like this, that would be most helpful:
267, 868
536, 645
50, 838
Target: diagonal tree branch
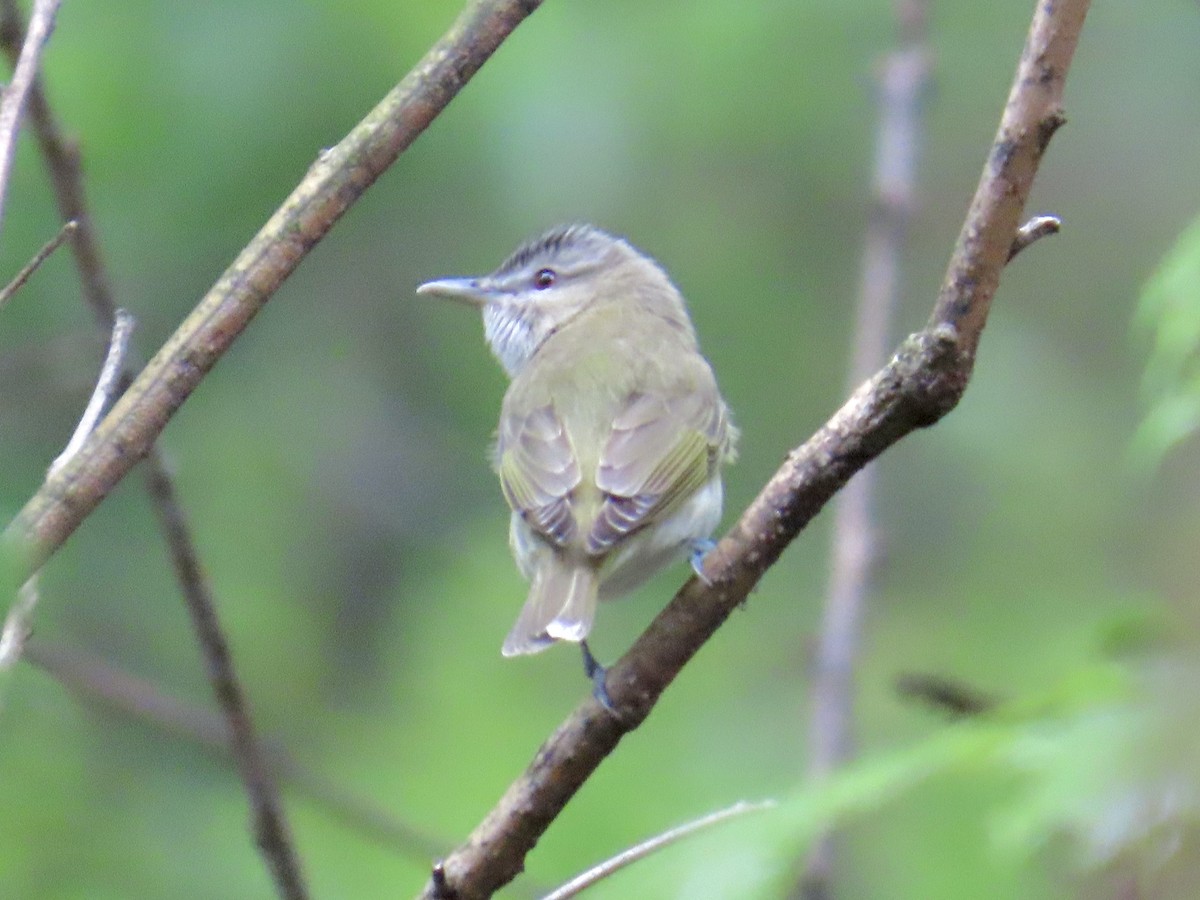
923, 381
333, 183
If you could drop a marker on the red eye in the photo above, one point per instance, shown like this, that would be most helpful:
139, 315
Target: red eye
544, 278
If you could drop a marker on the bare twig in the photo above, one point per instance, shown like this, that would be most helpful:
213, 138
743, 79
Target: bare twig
110, 373
903, 78
335, 181
585, 880
12, 104
924, 380
18, 623
62, 160
34, 264
1034, 230
145, 701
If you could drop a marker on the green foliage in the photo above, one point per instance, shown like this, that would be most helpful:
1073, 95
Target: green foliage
1106, 761
1169, 315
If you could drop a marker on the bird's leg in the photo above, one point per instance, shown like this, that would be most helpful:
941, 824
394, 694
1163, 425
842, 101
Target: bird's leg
701, 547
597, 674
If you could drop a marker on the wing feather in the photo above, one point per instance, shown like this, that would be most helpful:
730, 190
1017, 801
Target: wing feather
661, 449
538, 472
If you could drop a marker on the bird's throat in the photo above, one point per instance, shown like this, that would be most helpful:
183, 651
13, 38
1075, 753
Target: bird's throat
512, 333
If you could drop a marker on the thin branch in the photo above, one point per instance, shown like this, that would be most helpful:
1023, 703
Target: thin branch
333, 183
924, 380
34, 264
106, 384
903, 82
596, 874
270, 826
144, 701
12, 104
1034, 230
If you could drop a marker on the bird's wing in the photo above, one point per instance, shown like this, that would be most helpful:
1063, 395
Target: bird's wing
538, 471
661, 449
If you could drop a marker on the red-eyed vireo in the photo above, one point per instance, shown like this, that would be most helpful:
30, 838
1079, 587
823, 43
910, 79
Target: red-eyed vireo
612, 433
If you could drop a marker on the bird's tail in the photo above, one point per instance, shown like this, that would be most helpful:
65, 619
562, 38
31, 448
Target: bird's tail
561, 606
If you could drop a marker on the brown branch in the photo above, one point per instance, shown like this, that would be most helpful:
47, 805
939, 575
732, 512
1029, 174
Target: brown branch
144, 701
333, 183
923, 381
1031, 116
270, 825
12, 104
903, 80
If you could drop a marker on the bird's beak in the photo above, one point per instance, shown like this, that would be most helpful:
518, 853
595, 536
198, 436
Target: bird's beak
465, 290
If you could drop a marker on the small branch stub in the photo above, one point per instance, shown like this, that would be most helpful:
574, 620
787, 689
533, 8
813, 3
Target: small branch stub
1032, 231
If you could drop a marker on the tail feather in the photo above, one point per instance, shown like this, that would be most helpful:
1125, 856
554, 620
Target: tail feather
561, 607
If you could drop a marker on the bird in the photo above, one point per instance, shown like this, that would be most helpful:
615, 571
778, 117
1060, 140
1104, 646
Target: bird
612, 432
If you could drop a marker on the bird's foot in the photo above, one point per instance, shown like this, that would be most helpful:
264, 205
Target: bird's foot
701, 547
597, 674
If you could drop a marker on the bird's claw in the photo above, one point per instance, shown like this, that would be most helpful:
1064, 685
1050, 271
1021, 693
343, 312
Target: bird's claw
701, 547
597, 674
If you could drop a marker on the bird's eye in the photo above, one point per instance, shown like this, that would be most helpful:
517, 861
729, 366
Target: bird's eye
544, 278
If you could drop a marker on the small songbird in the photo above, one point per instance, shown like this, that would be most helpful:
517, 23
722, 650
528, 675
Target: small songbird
612, 432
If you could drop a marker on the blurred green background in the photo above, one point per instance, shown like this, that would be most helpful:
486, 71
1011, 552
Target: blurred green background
334, 463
